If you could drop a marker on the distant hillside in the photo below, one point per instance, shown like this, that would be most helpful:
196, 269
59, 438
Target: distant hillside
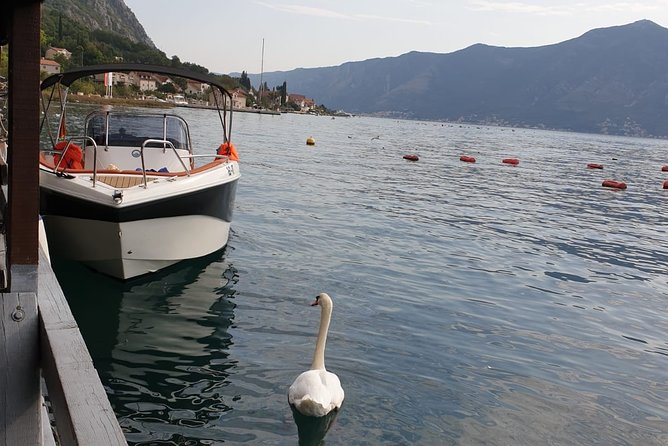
103, 31
107, 15
610, 80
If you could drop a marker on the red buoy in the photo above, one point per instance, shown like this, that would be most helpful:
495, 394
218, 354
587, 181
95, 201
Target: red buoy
664, 169
411, 157
594, 166
614, 184
511, 161
665, 184
467, 159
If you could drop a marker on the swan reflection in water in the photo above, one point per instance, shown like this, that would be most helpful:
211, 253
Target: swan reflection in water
312, 430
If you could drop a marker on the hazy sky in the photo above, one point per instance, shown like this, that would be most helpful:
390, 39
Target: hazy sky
226, 36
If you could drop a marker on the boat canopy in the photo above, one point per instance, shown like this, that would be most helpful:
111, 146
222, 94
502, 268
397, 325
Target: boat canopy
222, 101
70, 76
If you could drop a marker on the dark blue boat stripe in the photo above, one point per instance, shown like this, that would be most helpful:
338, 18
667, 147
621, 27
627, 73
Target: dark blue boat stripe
217, 201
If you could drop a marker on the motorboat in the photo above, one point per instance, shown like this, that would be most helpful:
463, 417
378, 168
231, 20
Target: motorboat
126, 196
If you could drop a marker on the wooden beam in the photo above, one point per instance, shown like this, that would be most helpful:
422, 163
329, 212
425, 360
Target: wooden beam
23, 120
82, 410
20, 398
20, 415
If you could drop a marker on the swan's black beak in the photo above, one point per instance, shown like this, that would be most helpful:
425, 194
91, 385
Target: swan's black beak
315, 302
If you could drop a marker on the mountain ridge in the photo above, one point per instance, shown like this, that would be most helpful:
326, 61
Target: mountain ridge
608, 80
109, 15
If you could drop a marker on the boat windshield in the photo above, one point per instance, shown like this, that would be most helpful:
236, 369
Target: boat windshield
131, 130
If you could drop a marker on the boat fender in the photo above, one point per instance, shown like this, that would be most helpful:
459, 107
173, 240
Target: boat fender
511, 161
73, 158
664, 169
467, 159
665, 184
594, 166
614, 184
229, 150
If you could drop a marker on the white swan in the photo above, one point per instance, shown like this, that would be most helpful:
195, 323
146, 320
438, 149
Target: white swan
317, 392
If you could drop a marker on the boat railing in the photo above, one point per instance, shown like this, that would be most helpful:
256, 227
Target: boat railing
165, 143
215, 156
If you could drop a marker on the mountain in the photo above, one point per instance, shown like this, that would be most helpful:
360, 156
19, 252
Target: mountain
609, 80
108, 15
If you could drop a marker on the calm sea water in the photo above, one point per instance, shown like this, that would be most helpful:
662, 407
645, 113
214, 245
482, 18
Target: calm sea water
475, 304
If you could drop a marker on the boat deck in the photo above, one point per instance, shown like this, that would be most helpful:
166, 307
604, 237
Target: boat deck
123, 182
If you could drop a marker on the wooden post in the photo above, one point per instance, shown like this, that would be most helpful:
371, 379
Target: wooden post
20, 418
23, 120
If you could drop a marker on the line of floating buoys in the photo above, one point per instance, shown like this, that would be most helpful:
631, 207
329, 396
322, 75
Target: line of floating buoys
310, 141
614, 184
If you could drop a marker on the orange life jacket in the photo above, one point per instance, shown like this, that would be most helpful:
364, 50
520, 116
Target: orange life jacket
73, 158
227, 149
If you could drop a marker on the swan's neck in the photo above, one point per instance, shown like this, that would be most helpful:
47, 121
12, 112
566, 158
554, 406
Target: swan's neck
319, 354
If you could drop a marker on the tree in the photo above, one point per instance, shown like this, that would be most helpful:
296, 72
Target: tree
167, 87
3, 61
180, 82
284, 93
244, 81
85, 86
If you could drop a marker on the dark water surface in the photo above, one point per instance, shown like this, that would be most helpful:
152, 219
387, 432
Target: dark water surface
475, 304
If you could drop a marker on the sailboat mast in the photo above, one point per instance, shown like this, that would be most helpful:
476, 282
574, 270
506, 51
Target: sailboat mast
261, 71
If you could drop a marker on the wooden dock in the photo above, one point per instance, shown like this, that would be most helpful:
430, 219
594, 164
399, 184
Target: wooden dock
39, 338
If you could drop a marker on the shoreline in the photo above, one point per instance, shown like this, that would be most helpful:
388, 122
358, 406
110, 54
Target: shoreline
156, 104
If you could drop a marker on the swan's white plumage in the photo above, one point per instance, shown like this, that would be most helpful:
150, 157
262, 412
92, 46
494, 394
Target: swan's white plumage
316, 392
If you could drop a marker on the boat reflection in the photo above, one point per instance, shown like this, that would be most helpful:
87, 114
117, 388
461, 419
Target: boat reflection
161, 343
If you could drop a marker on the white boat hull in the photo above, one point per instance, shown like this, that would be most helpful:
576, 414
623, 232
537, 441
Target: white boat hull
173, 219
129, 249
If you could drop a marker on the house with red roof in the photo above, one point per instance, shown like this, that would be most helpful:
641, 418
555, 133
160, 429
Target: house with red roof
49, 66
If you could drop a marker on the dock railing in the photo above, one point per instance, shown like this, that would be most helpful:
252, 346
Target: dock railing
81, 409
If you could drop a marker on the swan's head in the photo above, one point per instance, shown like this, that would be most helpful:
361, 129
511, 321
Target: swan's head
323, 300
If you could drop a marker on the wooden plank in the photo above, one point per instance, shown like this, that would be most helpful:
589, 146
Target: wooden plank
20, 398
82, 410
23, 119
122, 182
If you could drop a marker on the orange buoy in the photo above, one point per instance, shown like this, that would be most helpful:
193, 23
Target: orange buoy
467, 159
511, 161
664, 169
614, 184
411, 157
665, 184
310, 141
594, 166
